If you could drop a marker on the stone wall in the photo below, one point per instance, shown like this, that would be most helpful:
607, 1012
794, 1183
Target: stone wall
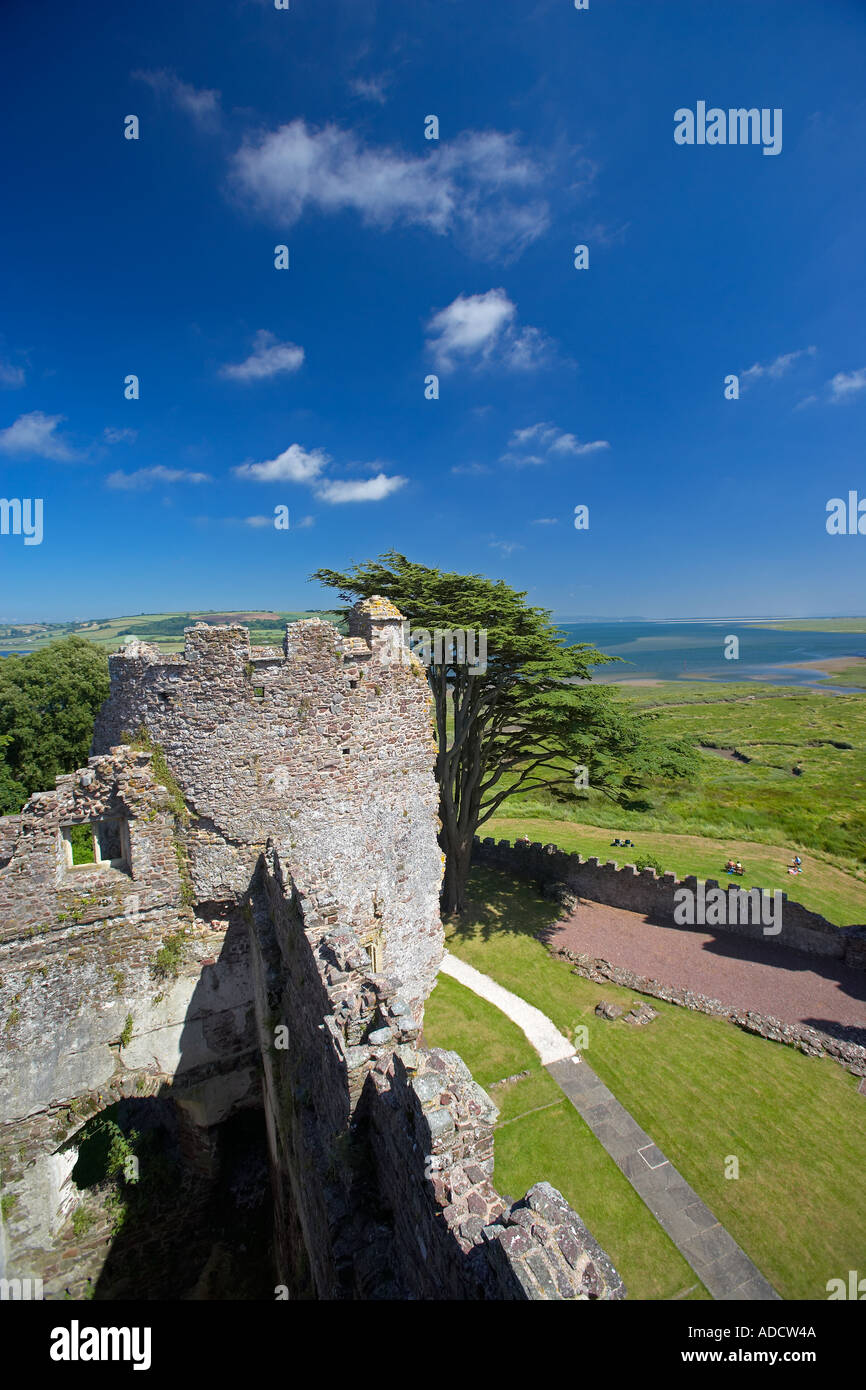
78, 958
652, 894
326, 746
383, 1150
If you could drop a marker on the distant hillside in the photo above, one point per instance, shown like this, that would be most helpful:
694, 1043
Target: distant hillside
162, 630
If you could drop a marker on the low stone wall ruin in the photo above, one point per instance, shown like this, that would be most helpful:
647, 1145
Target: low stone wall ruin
645, 891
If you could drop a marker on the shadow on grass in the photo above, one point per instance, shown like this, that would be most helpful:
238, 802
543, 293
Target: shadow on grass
500, 904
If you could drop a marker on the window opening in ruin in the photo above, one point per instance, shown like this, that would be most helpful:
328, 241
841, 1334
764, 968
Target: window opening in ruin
79, 840
164, 699
97, 843
259, 692
345, 751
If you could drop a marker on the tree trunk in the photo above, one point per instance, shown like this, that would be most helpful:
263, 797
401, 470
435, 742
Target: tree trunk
458, 860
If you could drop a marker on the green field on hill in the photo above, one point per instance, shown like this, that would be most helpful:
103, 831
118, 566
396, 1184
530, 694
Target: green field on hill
162, 630
782, 771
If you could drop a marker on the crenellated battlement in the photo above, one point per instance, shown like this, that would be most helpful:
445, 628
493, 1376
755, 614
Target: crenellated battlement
325, 747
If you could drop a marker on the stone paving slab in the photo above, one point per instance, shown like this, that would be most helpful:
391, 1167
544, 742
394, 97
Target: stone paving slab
724, 1269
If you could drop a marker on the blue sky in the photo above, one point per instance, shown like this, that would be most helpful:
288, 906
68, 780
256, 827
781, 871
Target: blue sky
557, 387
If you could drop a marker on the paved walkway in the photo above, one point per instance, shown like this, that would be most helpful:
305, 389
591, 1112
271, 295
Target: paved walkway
724, 1269
743, 973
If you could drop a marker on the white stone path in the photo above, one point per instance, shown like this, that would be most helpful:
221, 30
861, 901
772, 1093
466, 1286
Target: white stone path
547, 1040
726, 1271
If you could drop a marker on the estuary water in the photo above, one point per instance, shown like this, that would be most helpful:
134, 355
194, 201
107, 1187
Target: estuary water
696, 651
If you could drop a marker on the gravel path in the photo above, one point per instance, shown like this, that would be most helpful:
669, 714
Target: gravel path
742, 973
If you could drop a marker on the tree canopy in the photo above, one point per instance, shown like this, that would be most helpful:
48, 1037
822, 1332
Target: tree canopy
529, 721
48, 702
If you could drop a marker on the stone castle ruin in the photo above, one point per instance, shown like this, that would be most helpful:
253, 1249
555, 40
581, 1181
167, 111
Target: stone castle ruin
221, 935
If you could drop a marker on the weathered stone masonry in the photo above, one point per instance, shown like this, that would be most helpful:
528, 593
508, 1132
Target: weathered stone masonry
302, 959
324, 747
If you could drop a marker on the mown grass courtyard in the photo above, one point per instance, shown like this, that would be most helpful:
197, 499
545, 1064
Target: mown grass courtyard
703, 1089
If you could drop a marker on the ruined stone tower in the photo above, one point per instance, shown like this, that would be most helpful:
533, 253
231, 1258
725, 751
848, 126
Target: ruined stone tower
237, 968
324, 748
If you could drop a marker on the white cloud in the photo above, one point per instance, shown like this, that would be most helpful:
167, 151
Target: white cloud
124, 436
144, 478
36, 435
546, 521
570, 444
11, 376
480, 186
480, 329
293, 465
304, 523
507, 547
775, 369
549, 439
472, 469
368, 490
258, 521
269, 358
202, 104
469, 325
844, 385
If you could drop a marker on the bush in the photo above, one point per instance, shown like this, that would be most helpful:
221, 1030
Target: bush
648, 861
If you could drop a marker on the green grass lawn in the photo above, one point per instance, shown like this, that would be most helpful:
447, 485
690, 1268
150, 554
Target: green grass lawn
704, 1090
821, 887
541, 1137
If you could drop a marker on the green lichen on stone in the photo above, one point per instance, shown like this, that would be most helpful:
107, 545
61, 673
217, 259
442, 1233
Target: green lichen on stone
126, 1035
170, 956
143, 743
82, 1220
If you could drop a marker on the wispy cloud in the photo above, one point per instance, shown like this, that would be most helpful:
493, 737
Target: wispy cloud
775, 369
35, 435
371, 88
11, 376
366, 490
268, 358
123, 436
480, 187
479, 329
507, 547
845, 385
536, 444
471, 469
545, 521
145, 478
202, 104
601, 234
